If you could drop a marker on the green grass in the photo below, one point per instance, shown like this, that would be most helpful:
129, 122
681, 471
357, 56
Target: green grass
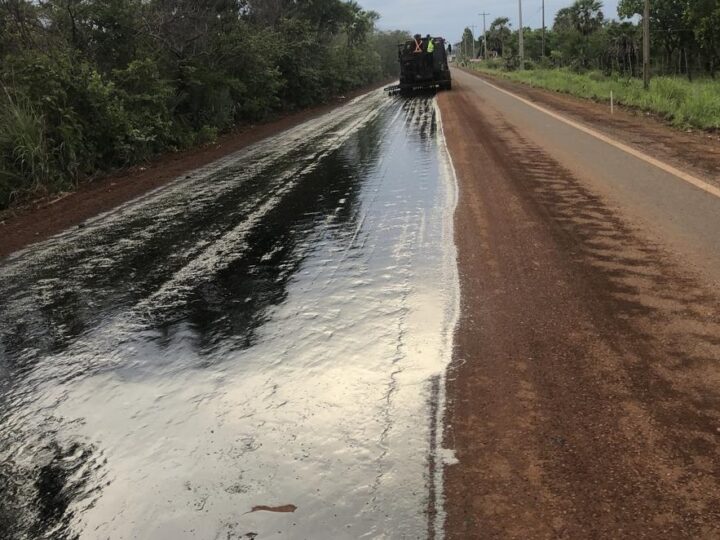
24, 158
683, 103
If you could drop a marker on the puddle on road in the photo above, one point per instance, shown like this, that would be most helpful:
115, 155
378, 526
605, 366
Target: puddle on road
267, 334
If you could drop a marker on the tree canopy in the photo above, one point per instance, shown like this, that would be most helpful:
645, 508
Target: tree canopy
685, 38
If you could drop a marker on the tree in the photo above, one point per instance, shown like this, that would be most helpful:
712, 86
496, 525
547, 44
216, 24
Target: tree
704, 17
386, 44
564, 20
587, 16
466, 44
668, 23
624, 48
499, 35
576, 26
685, 37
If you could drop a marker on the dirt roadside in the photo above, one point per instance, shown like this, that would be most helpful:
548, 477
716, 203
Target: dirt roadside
583, 396
35, 222
692, 150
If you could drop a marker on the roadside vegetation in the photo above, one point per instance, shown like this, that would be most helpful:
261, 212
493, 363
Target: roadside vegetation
683, 103
587, 55
91, 85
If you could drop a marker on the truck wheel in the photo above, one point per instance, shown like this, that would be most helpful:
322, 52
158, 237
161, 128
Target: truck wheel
447, 85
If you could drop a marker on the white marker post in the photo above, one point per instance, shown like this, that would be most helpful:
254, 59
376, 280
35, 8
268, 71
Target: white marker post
612, 103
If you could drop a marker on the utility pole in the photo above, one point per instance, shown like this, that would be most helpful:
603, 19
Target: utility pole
472, 26
646, 45
485, 35
543, 28
521, 43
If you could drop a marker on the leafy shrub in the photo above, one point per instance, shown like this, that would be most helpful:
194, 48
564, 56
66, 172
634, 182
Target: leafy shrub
147, 100
206, 135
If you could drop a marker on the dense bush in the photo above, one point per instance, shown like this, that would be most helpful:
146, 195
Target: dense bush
89, 85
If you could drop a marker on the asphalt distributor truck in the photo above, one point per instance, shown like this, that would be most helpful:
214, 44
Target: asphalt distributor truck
423, 65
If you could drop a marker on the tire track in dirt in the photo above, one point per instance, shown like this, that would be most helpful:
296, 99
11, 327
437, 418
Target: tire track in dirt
582, 400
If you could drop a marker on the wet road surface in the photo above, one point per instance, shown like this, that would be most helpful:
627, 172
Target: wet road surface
255, 351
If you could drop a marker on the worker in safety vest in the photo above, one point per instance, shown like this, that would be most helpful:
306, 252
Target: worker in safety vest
430, 50
418, 43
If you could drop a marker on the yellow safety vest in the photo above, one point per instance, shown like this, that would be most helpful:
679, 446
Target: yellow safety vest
431, 46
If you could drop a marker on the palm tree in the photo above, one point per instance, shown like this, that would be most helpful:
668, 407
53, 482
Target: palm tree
587, 16
499, 34
564, 20
467, 43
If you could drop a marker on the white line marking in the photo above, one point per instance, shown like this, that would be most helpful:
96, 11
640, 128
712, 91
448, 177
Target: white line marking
690, 179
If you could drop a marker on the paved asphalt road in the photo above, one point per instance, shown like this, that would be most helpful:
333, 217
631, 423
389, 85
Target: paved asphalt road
673, 211
584, 395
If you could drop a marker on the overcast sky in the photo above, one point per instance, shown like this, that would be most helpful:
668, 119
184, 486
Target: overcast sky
448, 18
